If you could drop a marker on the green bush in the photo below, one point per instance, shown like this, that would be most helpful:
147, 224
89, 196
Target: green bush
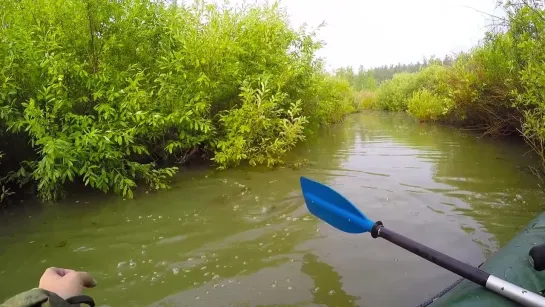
434, 78
122, 90
527, 37
426, 105
335, 100
497, 88
483, 84
260, 130
393, 94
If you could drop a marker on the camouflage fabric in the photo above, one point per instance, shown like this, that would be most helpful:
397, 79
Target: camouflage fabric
36, 298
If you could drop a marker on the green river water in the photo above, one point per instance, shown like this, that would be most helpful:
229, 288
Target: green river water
243, 237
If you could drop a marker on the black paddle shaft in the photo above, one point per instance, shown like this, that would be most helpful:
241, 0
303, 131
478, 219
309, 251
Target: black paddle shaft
442, 260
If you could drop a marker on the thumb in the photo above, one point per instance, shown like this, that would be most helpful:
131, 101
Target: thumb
86, 279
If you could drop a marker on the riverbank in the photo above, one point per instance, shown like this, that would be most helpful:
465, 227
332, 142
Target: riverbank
100, 100
497, 88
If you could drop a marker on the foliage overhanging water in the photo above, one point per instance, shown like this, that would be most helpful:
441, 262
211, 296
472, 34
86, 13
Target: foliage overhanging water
243, 236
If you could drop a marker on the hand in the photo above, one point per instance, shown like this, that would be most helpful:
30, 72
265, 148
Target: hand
66, 283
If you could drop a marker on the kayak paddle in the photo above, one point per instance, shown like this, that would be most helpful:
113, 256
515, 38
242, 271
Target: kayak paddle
333, 208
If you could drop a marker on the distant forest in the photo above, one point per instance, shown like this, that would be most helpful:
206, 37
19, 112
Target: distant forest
369, 79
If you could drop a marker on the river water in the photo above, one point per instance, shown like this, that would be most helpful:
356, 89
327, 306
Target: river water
243, 237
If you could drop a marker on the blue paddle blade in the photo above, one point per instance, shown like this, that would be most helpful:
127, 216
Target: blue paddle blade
333, 208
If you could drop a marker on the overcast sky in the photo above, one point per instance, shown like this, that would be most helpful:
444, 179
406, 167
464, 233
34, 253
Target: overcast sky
377, 32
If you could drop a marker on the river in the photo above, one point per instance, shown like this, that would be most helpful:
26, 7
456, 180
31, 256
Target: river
243, 237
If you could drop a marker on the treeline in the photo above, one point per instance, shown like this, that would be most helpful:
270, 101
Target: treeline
115, 93
385, 72
370, 79
497, 88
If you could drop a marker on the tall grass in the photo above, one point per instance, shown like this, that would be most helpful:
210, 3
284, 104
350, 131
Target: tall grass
365, 99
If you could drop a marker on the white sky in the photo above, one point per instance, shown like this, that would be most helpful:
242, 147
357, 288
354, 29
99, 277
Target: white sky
376, 32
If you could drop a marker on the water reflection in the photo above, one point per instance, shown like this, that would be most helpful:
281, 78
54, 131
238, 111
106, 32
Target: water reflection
478, 177
328, 288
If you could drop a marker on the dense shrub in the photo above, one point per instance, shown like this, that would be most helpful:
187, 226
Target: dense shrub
260, 131
527, 33
121, 90
483, 84
334, 99
434, 78
393, 94
426, 105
